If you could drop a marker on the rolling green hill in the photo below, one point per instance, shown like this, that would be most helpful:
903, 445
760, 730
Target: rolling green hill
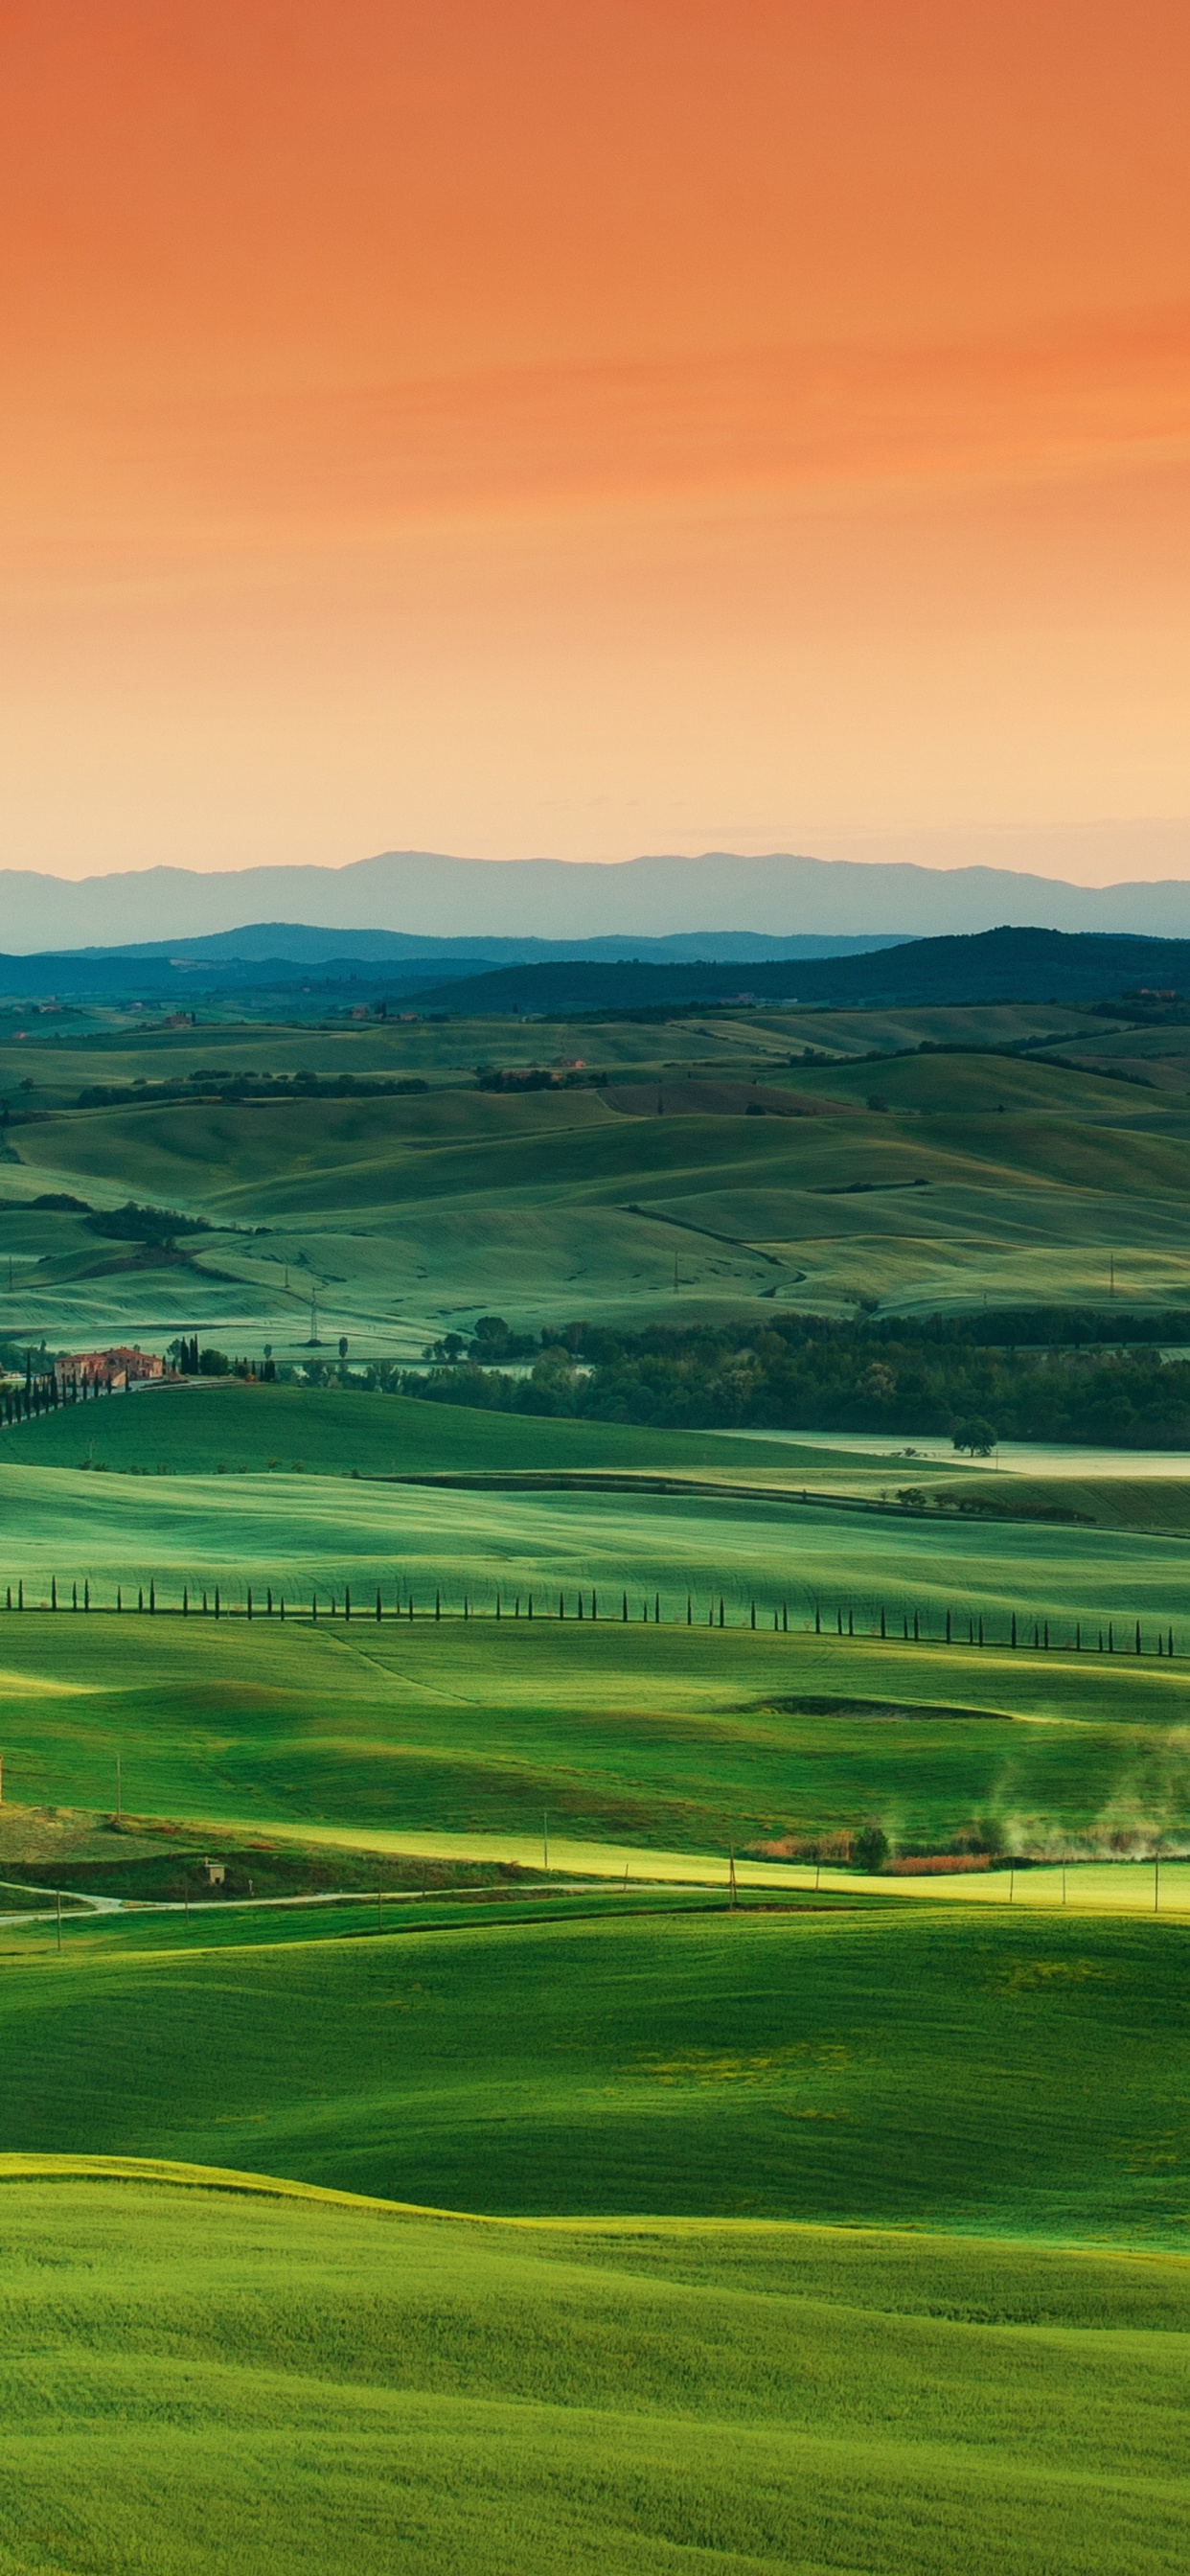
888, 2066
975, 1174
232, 2380
209, 1425
632, 1736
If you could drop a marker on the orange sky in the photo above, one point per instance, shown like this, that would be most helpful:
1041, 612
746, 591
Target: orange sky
539, 428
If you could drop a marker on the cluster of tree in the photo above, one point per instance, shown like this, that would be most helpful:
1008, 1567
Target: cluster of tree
804, 1374
229, 1087
133, 1224
534, 1077
494, 1344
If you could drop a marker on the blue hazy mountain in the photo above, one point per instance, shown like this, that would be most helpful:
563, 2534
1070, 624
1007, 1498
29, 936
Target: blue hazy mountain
427, 895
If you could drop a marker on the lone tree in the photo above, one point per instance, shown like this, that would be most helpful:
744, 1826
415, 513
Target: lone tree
977, 1437
870, 1848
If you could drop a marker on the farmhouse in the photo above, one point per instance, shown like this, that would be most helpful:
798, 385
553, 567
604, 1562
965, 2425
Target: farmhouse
113, 1368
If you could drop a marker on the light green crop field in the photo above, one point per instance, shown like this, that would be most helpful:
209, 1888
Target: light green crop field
974, 1175
826, 2231
246, 2383
864, 2063
645, 1738
205, 1425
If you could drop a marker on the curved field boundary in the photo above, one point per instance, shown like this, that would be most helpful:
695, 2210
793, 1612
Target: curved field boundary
160, 2171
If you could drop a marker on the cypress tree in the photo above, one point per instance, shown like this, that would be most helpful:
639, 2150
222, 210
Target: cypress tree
839, 1618
74, 1596
140, 1597
1111, 1637
656, 1609
689, 1611
498, 1605
594, 1603
8, 1602
752, 1607
216, 1601
785, 1618
152, 1594
1078, 1637
948, 1627
883, 1629
21, 1595
561, 1606
1138, 1636
851, 1623
249, 1601
379, 1607
282, 1609
720, 1609
580, 1605
86, 1597
314, 1608
268, 1601
625, 1609
1014, 1627
437, 1605
1169, 1643
1046, 1637
204, 1605
347, 1601
53, 1593
530, 1607
817, 1620
185, 1602
1036, 1637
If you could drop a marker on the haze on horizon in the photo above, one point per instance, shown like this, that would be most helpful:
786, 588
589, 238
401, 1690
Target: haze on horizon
677, 427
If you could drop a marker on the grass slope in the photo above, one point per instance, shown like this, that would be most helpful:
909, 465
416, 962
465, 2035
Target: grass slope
206, 1425
925, 1179
896, 2065
668, 1738
248, 2384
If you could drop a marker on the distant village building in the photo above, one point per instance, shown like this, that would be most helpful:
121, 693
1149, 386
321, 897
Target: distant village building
116, 1369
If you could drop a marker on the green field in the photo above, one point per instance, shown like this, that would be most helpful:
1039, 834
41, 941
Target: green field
245, 2383
975, 1175
634, 1736
828, 2230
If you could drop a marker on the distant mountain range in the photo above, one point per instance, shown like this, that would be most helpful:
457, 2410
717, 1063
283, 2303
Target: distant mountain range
423, 895
536, 977
279, 956
1003, 965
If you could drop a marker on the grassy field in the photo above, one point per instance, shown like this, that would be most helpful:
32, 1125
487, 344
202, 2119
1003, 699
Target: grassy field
828, 2232
246, 2383
640, 1737
893, 2065
974, 1175
205, 1425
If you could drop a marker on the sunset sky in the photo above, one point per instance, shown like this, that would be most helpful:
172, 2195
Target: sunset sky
520, 427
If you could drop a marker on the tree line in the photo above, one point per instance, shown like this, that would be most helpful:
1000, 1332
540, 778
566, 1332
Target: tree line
903, 1625
805, 1373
